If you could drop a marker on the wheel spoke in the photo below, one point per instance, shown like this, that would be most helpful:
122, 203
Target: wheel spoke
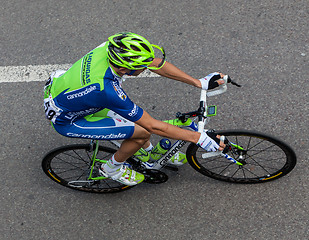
222, 166
70, 163
243, 171
248, 170
74, 156
258, 164
248, 145
265, 149
235, 172
249, 148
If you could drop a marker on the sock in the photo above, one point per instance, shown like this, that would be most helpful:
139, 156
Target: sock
112, 165
149, 148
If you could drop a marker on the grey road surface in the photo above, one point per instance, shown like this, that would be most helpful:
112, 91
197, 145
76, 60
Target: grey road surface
262, 44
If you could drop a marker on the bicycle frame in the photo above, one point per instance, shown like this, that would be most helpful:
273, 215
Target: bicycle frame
163, 160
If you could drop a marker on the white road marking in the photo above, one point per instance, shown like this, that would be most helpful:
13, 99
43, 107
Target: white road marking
37, 73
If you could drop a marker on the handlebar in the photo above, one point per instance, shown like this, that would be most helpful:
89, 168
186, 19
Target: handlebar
222, 88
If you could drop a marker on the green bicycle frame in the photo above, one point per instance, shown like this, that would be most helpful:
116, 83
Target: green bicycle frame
94, 159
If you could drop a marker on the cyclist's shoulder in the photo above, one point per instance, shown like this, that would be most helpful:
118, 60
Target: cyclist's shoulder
92, 69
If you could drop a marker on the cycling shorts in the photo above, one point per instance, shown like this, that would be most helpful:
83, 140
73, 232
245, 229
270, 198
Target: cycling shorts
103, 125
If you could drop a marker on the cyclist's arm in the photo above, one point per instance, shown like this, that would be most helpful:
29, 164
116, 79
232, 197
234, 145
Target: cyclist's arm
170, 71
170, 131
166, 130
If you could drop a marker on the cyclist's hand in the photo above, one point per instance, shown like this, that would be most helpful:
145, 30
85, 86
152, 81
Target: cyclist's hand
212, 81
210, 142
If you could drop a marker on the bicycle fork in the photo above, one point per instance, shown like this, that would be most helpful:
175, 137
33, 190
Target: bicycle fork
223, 154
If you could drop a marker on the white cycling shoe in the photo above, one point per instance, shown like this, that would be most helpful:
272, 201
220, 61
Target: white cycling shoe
124, 175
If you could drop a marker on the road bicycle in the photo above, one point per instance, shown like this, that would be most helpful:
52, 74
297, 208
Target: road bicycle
249, 156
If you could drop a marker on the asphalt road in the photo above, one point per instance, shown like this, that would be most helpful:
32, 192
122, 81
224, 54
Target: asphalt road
262, 44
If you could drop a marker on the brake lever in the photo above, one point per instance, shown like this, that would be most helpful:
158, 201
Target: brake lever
229, 80
226, 142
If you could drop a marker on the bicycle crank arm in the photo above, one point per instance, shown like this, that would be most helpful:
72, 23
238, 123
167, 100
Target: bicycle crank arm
154, 176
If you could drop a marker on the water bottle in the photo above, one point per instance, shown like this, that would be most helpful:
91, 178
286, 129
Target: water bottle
160, 149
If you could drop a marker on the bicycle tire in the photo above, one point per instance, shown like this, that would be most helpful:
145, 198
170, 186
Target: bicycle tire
70, 166
265, 158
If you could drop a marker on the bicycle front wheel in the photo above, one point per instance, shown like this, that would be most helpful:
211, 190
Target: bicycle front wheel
264, 158
70, 166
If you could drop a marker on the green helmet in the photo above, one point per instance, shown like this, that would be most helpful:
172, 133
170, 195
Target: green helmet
131, 51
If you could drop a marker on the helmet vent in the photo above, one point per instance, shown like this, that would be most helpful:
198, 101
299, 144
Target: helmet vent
135, 48
145, 46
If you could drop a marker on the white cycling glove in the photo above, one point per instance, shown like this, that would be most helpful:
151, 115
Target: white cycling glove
209, 142
210, 81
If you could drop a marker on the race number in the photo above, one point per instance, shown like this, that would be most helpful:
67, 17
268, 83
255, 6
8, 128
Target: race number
51, 111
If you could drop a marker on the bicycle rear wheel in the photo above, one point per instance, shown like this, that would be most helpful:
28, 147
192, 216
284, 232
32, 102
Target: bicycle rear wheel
70, 166
264, 158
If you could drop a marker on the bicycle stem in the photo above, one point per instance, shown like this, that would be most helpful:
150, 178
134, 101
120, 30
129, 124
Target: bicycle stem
203, 103
202, 110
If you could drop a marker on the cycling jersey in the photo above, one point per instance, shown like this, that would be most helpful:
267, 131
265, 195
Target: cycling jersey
88, 87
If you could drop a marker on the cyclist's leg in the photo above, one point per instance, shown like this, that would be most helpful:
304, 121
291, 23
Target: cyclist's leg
138, 131
114, 168
139, 138
107, 125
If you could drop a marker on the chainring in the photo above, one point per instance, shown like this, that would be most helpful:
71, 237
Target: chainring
154, 176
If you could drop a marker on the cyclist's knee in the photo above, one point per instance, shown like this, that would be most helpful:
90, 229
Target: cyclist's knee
141, 133
145, 135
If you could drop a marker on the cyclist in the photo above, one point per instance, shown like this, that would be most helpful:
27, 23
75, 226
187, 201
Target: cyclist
87, 101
